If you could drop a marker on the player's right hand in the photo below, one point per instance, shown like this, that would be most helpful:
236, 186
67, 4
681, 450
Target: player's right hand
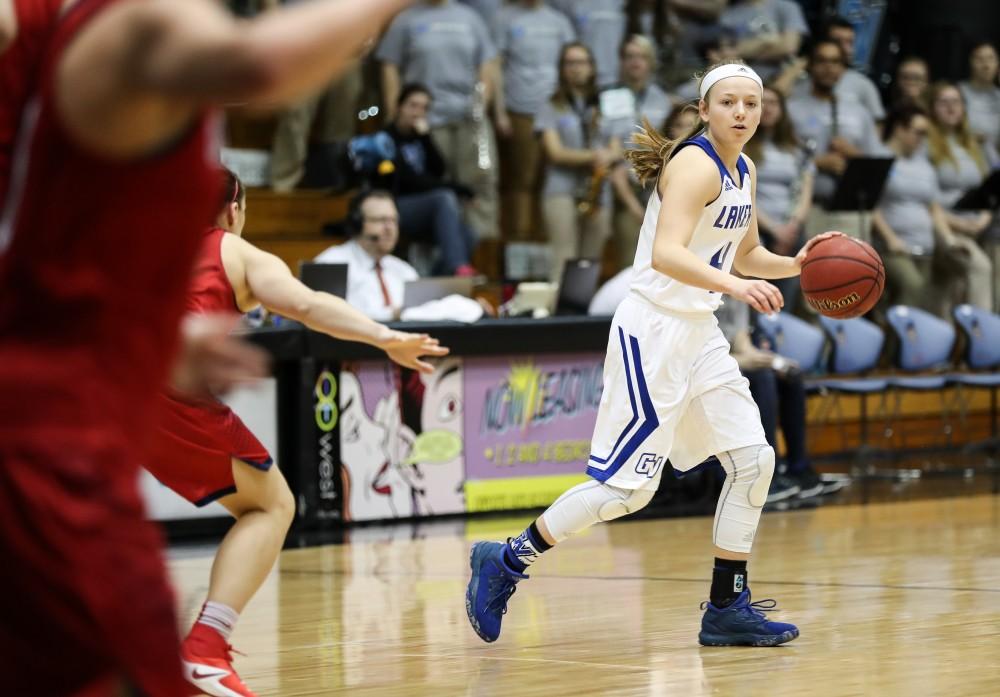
408, 350
760, 295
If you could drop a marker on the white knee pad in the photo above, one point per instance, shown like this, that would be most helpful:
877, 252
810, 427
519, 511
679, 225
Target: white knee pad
589, 503
748, 476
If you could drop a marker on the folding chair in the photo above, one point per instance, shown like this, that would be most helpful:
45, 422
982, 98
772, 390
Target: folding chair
925, 346
982, 333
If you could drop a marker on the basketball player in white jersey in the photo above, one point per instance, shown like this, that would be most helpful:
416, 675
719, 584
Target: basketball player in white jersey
671, 389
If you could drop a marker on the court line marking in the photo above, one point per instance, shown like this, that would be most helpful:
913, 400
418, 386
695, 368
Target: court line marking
668, 579
616, 666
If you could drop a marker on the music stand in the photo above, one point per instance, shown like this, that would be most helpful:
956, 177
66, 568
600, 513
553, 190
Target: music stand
860, 186
986, 197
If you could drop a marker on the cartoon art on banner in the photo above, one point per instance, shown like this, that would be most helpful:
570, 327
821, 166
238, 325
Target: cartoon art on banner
401, 440
528, 427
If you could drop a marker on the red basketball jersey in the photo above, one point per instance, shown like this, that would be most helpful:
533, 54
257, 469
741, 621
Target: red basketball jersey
36, 20
95, 265
211, 290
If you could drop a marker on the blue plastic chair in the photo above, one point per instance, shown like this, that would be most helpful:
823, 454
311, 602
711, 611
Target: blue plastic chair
926, 343
857, 346
982, 334
795, 339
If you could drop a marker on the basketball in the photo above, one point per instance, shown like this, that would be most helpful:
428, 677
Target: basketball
842, 277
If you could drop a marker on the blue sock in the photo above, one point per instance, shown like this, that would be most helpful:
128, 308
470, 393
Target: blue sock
523, 551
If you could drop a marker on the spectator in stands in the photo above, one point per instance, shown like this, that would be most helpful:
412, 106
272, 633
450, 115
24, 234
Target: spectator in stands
695, 25
913, 229
910, 84
960, 160
600, 24
428, 203
982, 93
335, 107
835, 130
651, 18
785, 173
529, 36
375, 278
580, 152
853, 86
777, 388
764, 33
446, 46
623, 108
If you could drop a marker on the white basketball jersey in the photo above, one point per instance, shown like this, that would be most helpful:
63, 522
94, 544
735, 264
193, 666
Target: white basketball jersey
716, 237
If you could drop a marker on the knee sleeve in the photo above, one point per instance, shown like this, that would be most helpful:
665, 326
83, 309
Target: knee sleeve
589, 503
748, 476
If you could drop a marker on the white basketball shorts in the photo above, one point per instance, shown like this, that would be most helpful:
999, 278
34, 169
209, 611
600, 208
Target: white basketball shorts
671, 392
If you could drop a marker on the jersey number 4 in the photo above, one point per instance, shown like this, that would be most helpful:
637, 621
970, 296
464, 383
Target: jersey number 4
719, 258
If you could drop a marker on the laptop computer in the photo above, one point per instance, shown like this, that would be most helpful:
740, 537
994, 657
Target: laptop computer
580, 278
424, 290
329, 278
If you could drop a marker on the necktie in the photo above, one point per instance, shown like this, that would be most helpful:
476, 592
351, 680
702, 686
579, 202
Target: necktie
381, 282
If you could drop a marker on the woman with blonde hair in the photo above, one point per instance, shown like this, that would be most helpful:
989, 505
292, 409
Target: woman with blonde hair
961, 163
672, 391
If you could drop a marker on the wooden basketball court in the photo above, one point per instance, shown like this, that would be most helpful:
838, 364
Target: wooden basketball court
891, 599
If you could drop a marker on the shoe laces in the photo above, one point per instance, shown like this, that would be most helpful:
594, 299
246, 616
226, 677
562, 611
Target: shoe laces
500, 589
756, 609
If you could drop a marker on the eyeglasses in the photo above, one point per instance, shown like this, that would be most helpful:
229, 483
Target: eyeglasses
382, 220
913, 77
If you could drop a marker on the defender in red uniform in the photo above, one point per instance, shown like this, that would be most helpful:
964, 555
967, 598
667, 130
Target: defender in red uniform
107, 203
204, 452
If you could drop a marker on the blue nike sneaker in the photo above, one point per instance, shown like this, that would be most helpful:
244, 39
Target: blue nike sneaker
743, 624
490, 587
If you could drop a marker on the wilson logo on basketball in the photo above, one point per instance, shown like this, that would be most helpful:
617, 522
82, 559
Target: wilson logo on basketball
833, 304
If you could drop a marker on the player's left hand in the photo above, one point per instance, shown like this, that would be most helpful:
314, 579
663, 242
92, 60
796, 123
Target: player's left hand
800, 258
408, 349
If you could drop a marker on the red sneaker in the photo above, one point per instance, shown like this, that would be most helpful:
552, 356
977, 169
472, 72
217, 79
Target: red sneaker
208, 664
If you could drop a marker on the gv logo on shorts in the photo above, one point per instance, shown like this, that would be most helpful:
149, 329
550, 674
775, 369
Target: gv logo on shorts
649, 464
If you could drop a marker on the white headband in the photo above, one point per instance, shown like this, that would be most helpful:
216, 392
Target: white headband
729, 70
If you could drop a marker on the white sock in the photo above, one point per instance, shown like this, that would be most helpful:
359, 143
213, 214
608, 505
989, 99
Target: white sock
219, 617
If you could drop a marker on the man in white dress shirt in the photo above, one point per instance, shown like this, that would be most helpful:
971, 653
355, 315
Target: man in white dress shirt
375, 278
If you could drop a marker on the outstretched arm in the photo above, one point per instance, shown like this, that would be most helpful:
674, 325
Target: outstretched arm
264, 278
8, 24
754, 259
141, 69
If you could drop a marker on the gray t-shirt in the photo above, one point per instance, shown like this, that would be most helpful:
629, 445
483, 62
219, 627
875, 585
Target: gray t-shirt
814, 123
624, 109
443, 47
983, 108
752, 19
905, 204
958, 175
779, 176
600, 24
853, 86
569, 125
529, 42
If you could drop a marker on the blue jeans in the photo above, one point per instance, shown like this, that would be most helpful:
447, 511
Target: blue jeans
436, 216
